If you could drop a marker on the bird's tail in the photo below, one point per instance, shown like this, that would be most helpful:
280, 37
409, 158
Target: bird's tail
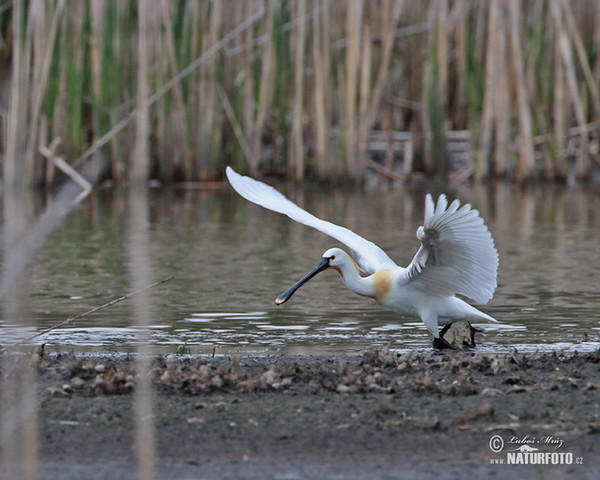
474, 315
479, 315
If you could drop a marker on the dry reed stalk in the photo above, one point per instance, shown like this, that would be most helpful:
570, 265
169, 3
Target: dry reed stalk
461, 107
30, 435
385, 171
141, 272
248, 104
201, 108
338, 144
175, 127
265, 95
442, 34
191, 29
140, 167
582, 162
98, 52
97, 24
296, 152
50, 170
526, 153
204, 97
390, 15
387, 125
408, 157
577, 41
486, 128
218, 24
495, 117
100, 86
235, 123
352, 65
44, 40
37, 48
593, 85
501, 103
559, 113
16, 125
321, 52
532, 29
596, 48
19, 435
481, 24
208, 105
364, 88
425, 122
434, 113
540, 62
50, 153
75, 66
140, 266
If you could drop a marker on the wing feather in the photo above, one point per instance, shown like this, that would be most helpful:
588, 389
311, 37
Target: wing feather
457, 253
368, 255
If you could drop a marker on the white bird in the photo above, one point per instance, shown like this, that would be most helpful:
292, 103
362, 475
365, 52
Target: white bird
457, 256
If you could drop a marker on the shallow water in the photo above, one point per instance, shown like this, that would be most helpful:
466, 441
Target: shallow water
231, 259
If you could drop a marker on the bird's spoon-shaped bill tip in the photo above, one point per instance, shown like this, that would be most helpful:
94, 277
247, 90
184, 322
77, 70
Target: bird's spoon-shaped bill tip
285, 296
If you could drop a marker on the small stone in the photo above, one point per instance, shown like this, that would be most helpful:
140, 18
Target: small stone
490, 392
341, 388
67, 388
77, 383
517, 389
57, 392
485, 409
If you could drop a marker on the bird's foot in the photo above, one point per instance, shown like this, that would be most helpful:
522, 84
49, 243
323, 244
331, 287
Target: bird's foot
444, 330
441, 344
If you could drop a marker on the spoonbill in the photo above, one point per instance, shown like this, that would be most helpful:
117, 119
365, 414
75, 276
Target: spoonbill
456, 256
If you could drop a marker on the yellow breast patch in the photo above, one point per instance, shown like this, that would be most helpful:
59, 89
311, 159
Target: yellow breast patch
382, 283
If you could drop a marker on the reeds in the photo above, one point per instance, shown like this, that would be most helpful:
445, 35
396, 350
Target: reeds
302, 87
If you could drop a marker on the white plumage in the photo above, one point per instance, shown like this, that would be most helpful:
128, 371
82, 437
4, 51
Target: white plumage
368, 255
457, 253
457, 256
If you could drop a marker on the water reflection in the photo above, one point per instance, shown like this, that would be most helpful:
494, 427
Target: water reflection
231, 259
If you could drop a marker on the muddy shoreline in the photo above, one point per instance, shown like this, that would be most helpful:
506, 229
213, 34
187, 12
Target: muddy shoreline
377, 415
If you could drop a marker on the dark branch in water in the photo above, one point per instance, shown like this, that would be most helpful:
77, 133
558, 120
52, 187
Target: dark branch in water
89, 312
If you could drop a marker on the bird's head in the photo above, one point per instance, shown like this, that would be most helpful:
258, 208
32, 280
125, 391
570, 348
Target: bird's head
333, 258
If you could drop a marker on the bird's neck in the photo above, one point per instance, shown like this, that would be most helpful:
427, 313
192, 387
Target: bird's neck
352, 278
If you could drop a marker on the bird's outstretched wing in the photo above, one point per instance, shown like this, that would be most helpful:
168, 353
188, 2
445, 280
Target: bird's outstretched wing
457, 253
368, 255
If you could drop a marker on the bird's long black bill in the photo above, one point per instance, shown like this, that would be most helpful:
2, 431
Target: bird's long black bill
285, 296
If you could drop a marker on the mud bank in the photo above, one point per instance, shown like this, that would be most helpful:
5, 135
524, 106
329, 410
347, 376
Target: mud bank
379, 415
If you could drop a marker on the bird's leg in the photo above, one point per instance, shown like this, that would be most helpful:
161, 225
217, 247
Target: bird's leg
441, 344
445, 329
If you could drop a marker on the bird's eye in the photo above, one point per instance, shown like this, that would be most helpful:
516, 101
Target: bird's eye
332, 257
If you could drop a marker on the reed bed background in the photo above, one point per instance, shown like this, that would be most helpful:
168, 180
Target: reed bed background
317, 88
